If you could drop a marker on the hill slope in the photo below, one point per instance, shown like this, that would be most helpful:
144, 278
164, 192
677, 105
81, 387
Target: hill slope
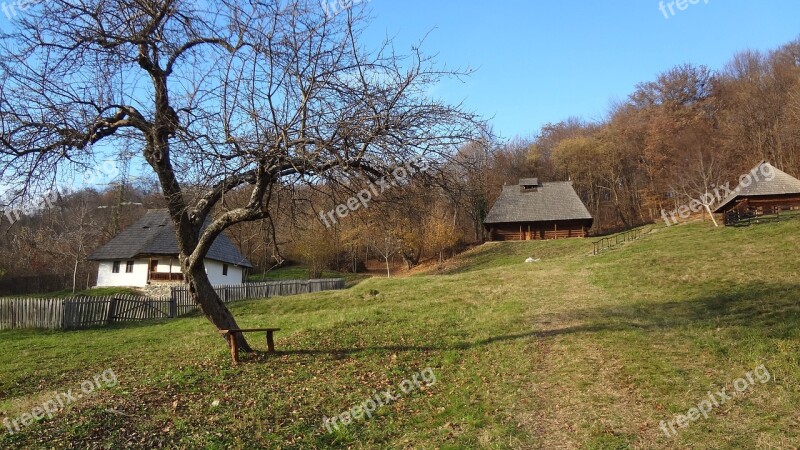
575, 351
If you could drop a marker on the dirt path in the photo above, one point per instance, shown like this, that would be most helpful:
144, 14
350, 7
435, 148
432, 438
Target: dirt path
581, 393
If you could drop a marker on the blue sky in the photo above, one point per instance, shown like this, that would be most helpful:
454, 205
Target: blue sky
543, 61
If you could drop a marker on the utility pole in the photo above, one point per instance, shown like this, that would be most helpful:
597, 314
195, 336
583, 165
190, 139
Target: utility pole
125, 160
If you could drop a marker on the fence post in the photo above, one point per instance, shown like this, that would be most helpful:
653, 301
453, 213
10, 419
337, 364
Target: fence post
247, 291
112, 309
69, 313
173, 307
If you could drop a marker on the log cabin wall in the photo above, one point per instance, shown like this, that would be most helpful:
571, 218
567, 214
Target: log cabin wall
534, 231
770, 204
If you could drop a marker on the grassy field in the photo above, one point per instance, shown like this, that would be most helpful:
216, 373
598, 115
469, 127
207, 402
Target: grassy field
575, 351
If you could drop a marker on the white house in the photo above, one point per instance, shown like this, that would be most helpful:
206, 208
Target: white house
147, 252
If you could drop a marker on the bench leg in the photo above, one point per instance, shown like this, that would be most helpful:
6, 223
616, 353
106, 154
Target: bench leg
234, 348
270, 342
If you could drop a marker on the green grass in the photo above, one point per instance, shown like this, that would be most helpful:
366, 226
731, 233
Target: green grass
575, 351
302, 273
290, 273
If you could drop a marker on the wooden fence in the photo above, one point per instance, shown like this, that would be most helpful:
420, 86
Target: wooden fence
31, 313
235, 292
737, 218
612, 241
82, 312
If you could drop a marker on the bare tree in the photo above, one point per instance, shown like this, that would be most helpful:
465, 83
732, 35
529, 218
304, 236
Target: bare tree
386, 246
220, 97
77, 233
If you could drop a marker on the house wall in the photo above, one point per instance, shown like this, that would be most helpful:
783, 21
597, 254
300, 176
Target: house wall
214, 271
749, 207
141, 267
767, 204
533, 231
106, 277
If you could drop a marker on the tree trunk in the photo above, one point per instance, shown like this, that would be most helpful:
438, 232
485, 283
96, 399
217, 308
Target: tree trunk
203, 293
75, 275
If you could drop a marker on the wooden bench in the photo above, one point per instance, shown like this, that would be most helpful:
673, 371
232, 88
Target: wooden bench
230, 335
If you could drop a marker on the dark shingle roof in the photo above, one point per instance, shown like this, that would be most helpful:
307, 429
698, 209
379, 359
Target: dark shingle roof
550, 201
153, 234
762, 184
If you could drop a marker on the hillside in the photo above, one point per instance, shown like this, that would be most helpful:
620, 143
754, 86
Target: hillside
575, 351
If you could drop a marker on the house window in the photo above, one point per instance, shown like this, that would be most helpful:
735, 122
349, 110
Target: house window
129, 267
154, 265
225, 269
115, 267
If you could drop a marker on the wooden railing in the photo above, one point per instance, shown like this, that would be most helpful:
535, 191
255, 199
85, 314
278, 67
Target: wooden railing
736, 218
609, 242
166, 276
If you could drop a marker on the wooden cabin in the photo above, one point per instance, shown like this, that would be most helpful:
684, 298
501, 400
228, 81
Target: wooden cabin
765, 191
533, 210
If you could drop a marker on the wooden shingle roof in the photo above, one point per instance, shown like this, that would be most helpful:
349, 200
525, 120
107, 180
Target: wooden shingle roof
761, 184
154, 235
549, 201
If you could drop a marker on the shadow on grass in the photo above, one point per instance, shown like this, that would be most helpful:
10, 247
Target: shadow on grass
339, 353
761, 307
770, 309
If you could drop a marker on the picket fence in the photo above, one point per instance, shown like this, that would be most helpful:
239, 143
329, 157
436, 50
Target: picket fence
83, 312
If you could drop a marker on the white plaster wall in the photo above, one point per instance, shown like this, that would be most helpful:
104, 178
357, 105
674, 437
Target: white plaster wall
138, 278
105, 276
214, 271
